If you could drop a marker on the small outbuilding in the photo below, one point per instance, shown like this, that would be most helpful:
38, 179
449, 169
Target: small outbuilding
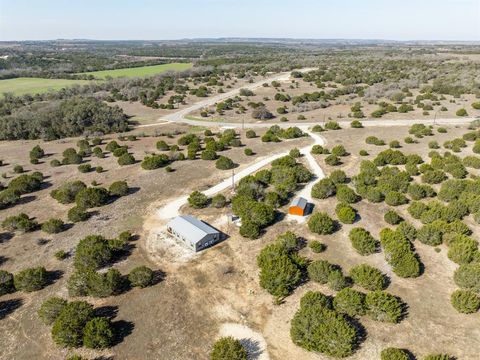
197, 234
298, 206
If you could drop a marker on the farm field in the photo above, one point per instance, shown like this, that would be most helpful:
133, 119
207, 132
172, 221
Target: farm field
24, 85
140, 71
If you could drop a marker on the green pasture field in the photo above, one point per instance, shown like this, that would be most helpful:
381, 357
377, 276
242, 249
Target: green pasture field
21, 86
140, 71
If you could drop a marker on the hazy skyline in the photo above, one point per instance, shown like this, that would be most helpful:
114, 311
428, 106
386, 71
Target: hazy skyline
320, 19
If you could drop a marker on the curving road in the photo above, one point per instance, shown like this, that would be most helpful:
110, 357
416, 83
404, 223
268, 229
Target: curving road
172, 208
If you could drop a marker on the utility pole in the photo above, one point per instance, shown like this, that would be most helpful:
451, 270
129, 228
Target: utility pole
435, 118
233, 180
243, 123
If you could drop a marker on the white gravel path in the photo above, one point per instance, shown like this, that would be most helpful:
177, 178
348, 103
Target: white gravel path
253, 341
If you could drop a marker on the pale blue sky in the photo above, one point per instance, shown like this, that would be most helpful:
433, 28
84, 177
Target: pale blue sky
166, 19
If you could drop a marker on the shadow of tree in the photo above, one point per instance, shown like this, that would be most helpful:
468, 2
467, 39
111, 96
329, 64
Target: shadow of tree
252, 347
122, 329
9, 306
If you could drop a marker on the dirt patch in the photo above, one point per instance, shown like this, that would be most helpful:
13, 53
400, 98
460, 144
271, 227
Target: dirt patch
252, 341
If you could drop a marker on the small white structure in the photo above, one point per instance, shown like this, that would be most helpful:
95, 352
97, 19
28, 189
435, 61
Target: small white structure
197, 234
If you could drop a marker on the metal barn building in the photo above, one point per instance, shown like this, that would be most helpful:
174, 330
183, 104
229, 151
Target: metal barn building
193, 232
298, 206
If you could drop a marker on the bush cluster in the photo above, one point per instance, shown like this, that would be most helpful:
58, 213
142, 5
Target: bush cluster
280, 266
399, 253
317, 327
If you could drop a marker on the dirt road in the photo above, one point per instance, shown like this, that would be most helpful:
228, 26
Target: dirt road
171, 209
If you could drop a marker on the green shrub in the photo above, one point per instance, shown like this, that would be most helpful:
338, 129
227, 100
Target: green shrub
332, 125
92, 252
463, 250
85, 168
37, 152
433, 177
224, 163
336, 280
461, 112
350, 302
68, 327
465, 301
338, 177
373, 140
399, 254
127, 159
92, 197
141, 276
280, 266
18, 169
319, 150
248, 152
162, 145
345, 213
346, 194
87, 282
321, 223
363, 153
394, 144
61, 255
408, 231
355, 124
382, 306
20, 222
66, 193
198, 200
418, 191
155, 161
98, 333
6, 282
250, 134
77, 214
319, 329
392, 217
317, 246
316, 298
118, 188
374, 195
430, 234
249, 230
368, 277
324, 189
208, 155
55, 163
228, 348
339, 150
467, 276
394, 354
51, 309
31, 279
395, 198
319, 271
438, 357
362, 241
53, 226
332, 160
25, 184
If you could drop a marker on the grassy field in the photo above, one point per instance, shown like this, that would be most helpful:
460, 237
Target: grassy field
140, 71
21, 86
